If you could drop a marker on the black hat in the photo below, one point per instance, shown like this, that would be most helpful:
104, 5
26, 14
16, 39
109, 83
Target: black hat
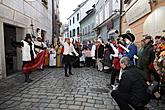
148, 37
107, 46
128, 36
28, 36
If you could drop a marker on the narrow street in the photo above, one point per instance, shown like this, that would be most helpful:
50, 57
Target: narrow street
51, 90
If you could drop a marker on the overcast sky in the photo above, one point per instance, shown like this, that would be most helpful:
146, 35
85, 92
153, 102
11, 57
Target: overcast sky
67, 7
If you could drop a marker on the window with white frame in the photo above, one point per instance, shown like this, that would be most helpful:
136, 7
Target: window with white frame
78, 17
70, 33
74, 32
83, 33
89, 29
97, 19
101, 16
93, 26
107, 10
73, 20
70, 22
86, 31
116, 5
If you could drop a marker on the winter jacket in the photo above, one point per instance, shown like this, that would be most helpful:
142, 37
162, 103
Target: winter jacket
132, 51
147, 57
99, 51
133, 83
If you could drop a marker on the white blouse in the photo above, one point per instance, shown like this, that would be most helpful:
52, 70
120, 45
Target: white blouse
68, 49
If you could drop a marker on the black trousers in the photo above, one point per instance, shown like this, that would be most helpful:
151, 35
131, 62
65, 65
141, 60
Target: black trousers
93, 63
124, 102
88, 61
68, 65
121, 99
114, 73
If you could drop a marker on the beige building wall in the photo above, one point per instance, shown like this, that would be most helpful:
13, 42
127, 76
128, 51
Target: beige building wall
137, 26
21, 13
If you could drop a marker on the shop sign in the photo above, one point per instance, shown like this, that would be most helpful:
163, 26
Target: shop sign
138, 10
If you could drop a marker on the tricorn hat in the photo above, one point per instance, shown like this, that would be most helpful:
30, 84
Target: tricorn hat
128, 36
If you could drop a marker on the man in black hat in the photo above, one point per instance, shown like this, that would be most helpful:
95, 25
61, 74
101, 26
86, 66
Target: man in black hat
131, 49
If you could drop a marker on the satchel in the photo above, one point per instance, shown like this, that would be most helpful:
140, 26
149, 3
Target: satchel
152, 87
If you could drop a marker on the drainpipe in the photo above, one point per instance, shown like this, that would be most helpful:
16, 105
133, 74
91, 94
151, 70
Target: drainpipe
53, 18
120, 17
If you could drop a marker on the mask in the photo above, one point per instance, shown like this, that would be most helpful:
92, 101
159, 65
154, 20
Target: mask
127, 41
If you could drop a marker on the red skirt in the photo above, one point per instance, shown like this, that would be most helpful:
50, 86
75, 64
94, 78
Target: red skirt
36, 63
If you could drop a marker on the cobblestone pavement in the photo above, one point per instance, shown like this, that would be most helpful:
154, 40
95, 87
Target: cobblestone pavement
51, 90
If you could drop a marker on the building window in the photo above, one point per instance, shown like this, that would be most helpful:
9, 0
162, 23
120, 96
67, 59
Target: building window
78, 17
127, 1
73, 20
89, 29
78, 30
45, 3
70, 22
101, 16
83, 31
97, 19
93, 26
86, 31
73, 32
70, 33
107, 11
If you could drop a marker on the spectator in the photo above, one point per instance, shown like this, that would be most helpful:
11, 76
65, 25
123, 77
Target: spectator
99, 54
88, 58
140, 51
107, 62
93, 50
146, 63
132, 89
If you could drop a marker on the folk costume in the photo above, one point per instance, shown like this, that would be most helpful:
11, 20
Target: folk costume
52, 57
41, 44
31, 61
131, 48
69, 56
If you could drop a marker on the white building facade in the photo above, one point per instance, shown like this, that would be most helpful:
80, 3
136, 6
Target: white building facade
107, 17
77, 16
18, 17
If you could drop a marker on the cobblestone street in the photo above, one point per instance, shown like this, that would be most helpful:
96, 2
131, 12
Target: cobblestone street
51, 90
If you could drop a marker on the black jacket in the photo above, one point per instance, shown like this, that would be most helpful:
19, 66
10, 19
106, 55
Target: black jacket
99, 51
133, 83
147, 56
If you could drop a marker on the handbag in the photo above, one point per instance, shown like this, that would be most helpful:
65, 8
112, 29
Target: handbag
152, 87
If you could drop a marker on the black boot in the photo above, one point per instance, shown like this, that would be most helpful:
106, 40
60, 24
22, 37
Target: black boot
71, 73
66, 75
70, 69
27, 79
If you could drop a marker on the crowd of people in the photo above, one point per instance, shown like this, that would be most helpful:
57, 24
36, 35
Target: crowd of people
132, 68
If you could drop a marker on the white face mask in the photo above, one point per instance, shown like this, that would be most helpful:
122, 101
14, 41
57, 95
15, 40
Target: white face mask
127, 41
